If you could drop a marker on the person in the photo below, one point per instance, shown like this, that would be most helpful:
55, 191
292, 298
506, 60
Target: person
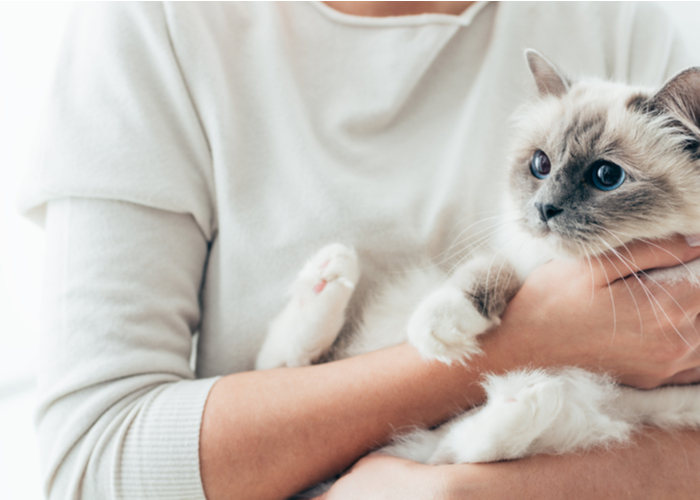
194, 155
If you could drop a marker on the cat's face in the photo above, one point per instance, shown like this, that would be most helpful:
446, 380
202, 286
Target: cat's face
599, 164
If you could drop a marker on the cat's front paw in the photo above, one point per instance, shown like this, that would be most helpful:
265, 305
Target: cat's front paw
445, 326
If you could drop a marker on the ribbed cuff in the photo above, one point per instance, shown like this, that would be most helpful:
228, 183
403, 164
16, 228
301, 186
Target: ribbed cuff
160, 455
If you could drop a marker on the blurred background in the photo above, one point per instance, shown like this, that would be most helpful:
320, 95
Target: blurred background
30, 34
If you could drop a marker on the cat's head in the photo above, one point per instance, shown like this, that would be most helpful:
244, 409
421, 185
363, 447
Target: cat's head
597, 164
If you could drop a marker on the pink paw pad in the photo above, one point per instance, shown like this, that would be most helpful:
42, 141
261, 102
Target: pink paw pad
318, 287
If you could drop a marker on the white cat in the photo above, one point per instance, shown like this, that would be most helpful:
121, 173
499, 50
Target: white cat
596, 165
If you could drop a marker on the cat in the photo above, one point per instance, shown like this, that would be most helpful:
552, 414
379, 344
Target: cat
596, 165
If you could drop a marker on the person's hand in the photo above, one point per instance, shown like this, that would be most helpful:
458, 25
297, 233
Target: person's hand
606, 314
658, 465
381, 477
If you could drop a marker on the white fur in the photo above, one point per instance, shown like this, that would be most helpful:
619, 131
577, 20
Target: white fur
526, 412
310, 322
445, 326
385, 318
536, 411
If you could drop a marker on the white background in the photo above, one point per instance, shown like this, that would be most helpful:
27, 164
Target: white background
29, 39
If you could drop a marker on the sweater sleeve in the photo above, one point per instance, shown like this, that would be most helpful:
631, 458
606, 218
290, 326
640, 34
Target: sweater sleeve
120, 409
124, 168
120, 123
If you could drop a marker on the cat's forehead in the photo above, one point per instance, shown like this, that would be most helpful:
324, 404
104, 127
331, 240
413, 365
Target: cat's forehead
593, 119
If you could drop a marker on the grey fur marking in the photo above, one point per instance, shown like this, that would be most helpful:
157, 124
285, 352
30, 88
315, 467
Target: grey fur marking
583, 134
492, 289
653, 136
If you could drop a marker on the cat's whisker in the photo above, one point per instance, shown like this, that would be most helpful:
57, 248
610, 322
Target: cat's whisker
625, 260
670, 295
456, 240
590, 266
494, 228
645, 288
631, 263
657, 283
612, 297
651, 243
470, 249
634, 299
473, 249
480, 220
628, 264
461, 238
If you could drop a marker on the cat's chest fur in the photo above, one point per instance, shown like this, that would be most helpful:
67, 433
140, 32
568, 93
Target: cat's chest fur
595, 166
384, 320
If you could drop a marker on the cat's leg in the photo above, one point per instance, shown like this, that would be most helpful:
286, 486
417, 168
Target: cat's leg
536, 412
315, 313
445, 325
518, 410
669, 408
418, 445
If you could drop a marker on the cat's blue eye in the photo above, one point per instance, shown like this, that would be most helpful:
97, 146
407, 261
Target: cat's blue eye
607, 176
540, 166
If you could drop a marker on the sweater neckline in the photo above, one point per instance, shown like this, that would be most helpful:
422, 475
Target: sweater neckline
463, 19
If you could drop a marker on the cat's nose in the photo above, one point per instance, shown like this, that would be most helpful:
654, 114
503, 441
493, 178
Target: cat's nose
548, 211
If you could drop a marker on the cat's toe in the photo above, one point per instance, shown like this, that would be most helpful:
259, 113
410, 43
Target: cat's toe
445, 326
334, 263
526, 395
341, 266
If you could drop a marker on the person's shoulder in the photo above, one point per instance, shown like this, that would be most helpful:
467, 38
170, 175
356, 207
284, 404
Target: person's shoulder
609, 16
144, 15
626, 41
229, 14
605, 12
117, 13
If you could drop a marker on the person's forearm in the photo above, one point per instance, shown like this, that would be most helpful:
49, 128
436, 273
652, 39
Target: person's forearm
269, 434
656, 465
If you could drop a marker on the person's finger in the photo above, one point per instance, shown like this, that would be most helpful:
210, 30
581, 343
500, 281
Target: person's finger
640, 256
691, 376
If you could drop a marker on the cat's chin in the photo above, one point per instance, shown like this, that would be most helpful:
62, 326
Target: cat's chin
566, 249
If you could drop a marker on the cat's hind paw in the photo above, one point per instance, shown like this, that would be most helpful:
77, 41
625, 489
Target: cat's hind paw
520, 408
445, 326
334, 263
310, 322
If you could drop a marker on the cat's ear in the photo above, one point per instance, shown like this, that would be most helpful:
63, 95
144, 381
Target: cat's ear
548, 78
680, 97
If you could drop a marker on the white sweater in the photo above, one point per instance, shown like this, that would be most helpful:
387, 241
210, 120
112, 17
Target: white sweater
195, 155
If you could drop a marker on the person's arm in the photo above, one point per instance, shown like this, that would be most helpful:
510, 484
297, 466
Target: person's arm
564, 314
269, 434
119, 407
656, 465
121, 414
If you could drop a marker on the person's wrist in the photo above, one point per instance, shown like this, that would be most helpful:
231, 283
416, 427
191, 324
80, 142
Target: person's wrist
503, 353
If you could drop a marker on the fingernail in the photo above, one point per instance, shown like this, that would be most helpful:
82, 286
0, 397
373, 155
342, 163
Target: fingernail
694, 240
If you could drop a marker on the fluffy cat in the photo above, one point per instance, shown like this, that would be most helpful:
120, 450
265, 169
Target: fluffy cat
597, 164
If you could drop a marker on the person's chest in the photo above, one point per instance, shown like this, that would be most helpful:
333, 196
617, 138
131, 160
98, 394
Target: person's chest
390, 141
